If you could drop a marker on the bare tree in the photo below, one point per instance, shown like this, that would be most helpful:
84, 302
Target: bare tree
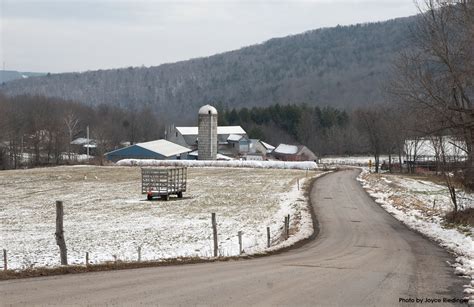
371, 122
72, 125
436, 76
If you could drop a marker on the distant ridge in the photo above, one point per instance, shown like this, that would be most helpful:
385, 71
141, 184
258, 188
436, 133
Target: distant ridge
343, 66
10, 75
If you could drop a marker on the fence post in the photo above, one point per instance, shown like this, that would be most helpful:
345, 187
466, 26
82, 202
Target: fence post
285, 227
60, 232
298, 183
5, 262
214, 232
288, 227
87, 259
268, 237
240, 242
139, 254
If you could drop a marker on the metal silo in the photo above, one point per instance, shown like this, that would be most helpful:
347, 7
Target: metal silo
207, 133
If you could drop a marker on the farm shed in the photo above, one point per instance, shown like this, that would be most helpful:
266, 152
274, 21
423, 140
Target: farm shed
258, 147
287, 152
159, 150
238, 144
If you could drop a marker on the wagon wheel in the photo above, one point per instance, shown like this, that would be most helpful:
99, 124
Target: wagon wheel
180, 194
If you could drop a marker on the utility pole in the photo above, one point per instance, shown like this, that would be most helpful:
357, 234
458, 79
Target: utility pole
88, 142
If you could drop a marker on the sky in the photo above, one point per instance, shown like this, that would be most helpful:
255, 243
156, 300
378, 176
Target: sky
80, 35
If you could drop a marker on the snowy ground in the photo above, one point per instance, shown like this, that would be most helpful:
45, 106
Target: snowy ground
106, 215
303, 165
353, 160
421, 205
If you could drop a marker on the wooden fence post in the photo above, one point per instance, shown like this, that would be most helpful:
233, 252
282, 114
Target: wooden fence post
139, 254
240, 242
298, 183
214, 232
285, 230
60, 232
5, 262
268, 237
288, 227
87, 259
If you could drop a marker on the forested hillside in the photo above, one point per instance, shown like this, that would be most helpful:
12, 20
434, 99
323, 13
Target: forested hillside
339, 67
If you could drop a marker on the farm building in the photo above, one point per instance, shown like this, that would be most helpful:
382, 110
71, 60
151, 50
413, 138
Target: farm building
159, 149
188, 136
268, 148
80, 145
287, 152
424, 152
237, 145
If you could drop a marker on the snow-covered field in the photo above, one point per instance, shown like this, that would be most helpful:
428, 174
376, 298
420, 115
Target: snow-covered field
106, 215
421, 205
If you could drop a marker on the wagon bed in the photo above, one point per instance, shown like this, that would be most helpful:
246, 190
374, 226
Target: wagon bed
164, 182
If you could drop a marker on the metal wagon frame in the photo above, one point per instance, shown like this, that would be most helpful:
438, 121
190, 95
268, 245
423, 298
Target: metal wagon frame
164, 182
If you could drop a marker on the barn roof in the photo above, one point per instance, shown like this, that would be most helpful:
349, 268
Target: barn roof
286, 149
220, 130
267, 146
161, 147
234, 137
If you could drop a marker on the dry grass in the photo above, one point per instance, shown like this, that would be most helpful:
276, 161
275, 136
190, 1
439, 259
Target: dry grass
462, 217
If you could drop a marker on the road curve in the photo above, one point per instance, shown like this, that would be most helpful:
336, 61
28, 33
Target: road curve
361, 257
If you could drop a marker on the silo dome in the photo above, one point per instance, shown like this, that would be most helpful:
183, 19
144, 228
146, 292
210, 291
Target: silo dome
207, 109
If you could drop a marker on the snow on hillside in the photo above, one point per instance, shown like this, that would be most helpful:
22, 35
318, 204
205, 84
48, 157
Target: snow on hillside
307, 165
106, 215
421, 205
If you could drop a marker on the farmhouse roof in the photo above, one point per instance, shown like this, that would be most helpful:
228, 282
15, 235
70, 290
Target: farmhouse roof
220, 130
82, 141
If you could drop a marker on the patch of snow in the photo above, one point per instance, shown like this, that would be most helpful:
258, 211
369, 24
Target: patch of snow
307, 165
354, 160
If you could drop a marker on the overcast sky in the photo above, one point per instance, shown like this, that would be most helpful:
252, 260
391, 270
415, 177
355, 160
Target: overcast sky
80, 35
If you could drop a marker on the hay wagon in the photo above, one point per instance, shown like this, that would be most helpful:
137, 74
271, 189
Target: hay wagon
164, 182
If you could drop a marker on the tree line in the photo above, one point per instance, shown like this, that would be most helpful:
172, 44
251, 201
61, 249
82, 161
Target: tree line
36, 130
